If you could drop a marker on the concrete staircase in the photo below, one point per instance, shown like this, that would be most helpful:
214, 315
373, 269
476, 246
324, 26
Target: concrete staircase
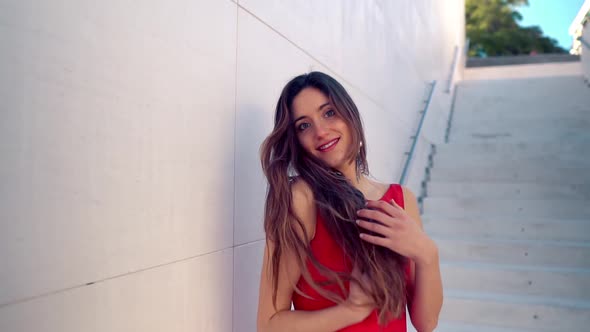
508, 202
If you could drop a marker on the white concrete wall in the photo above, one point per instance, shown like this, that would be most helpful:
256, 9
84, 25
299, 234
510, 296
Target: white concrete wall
131, 194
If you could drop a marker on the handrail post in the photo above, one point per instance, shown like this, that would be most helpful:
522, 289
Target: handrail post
453, 66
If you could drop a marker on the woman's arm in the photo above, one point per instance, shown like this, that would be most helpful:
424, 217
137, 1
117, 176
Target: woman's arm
282, 319
426, 292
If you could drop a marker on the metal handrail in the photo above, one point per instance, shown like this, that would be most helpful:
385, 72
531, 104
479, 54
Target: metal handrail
451, 113
410, 154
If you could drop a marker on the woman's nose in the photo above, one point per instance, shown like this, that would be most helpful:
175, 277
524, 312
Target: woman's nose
321, 131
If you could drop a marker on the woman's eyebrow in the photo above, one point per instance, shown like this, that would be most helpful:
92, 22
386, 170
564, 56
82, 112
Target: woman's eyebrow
323, 105
319, 109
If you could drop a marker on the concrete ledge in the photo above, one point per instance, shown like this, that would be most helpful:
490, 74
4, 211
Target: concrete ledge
520, 60
524, 71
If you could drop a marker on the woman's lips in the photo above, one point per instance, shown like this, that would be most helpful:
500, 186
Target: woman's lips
329, 146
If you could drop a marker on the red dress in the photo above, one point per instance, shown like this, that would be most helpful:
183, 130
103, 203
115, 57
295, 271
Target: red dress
327, 251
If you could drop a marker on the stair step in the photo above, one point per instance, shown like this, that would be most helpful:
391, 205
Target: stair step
536, 174
551, 121
573, 284
516, 147
500, 162
493, 190
497, 135
541, 314
515, 252
507, 228
513, 117
510, 160
445, 326
547, 120
541, 208
505, 155
532, 95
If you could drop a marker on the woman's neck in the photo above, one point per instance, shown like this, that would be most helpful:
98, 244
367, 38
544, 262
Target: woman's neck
360, 182
369, 188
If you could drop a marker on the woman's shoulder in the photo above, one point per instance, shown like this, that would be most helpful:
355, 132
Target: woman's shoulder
301, 190
303, 204
377, 189
386, 186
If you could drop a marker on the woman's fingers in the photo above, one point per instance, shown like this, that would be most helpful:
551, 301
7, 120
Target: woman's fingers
387, 207
377, 240
382, 212
374, 227
389, 217
374, 215
394, 203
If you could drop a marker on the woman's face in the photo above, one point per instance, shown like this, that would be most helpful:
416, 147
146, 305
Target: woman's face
321, 130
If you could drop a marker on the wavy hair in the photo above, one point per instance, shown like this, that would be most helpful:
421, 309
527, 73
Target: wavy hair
337, 200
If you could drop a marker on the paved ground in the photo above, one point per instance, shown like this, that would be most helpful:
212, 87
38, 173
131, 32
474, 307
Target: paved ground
508, 202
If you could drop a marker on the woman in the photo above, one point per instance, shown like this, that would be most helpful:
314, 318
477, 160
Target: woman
339, 246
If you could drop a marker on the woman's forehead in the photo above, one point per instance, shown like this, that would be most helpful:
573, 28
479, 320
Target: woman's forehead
309, 100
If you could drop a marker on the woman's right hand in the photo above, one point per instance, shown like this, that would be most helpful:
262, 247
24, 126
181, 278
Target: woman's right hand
359, 301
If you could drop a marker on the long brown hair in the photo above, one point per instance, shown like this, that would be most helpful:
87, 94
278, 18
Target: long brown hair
336, 199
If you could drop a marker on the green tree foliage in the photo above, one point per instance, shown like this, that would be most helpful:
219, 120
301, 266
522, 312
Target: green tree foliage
492, 28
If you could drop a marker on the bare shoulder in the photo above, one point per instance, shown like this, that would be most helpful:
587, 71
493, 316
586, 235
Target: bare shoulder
411, 204
303, 205
376, 189
301, 190
409, 197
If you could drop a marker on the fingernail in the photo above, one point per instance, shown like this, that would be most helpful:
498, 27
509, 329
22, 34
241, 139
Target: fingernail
358, 221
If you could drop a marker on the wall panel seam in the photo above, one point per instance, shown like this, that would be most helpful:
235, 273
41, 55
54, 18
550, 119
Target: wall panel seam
91, 283
233, 259
378, 104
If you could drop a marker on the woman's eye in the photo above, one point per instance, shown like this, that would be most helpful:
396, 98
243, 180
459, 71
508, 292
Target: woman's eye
330, 113
303, 126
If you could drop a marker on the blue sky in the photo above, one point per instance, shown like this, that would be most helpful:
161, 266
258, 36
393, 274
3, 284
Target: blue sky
553, 16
